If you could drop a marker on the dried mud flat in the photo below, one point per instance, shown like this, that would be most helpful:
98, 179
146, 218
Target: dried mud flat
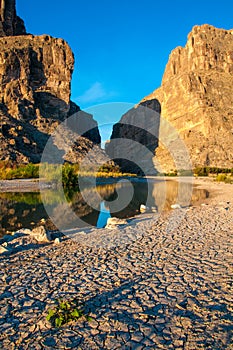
160, 283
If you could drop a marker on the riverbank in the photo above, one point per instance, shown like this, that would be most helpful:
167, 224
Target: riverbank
22, 185
161, 282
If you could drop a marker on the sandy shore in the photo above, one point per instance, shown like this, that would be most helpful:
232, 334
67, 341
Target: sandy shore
162, 282
22, 185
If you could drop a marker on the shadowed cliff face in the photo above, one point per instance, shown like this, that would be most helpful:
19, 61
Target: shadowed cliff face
10, 23
196, 97
35, 75
35, 83
135, 138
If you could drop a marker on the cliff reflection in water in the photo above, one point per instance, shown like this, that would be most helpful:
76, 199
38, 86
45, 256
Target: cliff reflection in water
121, 199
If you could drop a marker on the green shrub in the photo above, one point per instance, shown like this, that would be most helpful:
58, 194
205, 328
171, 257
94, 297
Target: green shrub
180, 172
205, 171
65, 312
224, 178
69, 177
201, 171
29, 171
54, 172
109, 168
50, 172
172, 173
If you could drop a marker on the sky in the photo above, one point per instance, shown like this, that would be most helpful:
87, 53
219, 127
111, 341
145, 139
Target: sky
121, 47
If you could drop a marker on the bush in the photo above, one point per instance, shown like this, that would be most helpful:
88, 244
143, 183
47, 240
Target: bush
29, 171
201, 171
50, 172
65, 312
54, 172
173, 173
205, 171
224, 178
109, 168
69, 177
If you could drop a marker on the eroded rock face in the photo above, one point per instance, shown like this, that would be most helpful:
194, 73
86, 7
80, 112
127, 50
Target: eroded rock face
35, 75
135, 138
35, 79
10, 23
196, 97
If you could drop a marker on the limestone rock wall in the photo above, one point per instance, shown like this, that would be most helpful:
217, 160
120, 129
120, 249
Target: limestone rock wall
196, 97
35, 75
135, 138
35, 89
10, 23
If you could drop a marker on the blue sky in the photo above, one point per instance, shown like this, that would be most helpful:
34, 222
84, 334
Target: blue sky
121, 47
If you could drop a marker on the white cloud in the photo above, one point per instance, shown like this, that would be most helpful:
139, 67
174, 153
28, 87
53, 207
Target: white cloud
96, 93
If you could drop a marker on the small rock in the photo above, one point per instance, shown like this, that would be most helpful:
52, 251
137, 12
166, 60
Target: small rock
176, 206
154, 210
115, 222
4, 249
57, 241
143, 208
23, 231
40, 234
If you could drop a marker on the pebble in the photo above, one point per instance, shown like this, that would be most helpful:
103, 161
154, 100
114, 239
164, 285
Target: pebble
143, 208
113, 223
57, 241
4, 249
176, 206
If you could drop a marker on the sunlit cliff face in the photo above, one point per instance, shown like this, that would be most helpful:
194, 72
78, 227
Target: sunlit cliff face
196, 97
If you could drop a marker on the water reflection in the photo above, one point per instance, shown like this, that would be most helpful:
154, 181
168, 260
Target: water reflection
26, 209
19, 210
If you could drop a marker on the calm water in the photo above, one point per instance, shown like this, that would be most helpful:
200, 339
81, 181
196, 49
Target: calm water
94, 206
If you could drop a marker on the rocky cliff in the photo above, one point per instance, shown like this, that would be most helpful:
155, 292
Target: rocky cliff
35, 77
196, 97
10, 23
135, 138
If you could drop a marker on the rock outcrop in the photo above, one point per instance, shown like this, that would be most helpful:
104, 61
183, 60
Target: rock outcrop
196, 97
135, 138
10, 23
35, 79
35, 75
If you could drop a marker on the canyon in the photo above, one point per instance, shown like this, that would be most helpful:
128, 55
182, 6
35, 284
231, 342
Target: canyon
186, 123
